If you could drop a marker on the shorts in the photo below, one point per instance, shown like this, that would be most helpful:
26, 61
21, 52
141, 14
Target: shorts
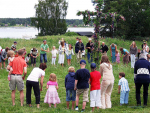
68, 56
3, 60
16, 80
85, 94
0, 59
70, 95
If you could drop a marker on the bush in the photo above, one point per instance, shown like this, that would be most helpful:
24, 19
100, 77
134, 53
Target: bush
71, 34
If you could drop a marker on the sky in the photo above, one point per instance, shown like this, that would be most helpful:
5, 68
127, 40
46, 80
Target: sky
25, 8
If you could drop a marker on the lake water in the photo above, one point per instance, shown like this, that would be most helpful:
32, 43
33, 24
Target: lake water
29, 32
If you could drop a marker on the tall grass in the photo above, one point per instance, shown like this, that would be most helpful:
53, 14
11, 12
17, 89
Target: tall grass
61, 72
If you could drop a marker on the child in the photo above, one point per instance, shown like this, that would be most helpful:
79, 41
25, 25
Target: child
13, 47
27, 59
117, 57
51, 96
54, 53
69, 85
16, 55
95, 92
123, 84
83, 53
10, 55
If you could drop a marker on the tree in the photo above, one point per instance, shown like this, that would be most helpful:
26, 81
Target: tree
13, 23
50, 17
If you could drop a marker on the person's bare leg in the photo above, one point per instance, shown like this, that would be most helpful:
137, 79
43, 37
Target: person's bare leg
62, 65
77, 100
83, 105
68, 61
0, 65
97, 107
54, 105
38, 105
73, 102
13, 97
4, 65
34, 65
49, 105
21, 97
67, 102
93, 109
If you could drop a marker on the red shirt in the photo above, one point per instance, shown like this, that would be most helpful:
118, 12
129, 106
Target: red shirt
18, 65
95, 77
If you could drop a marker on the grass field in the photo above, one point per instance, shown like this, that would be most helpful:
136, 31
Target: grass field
5, 93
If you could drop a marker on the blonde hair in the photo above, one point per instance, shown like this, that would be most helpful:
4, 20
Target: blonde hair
71, 69
132, 44
10, 53
117, 51
52, 77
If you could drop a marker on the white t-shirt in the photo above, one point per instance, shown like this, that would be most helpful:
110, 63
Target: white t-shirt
10, 59
27, 59
54, 52
36, 74
83, 53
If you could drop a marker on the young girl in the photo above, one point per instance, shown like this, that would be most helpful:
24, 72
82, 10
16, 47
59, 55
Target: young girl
54, 53
117, 57
95, 91
51, 96
11, 57
69, 53
27, 59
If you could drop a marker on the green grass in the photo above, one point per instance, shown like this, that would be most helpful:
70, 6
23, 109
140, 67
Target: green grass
5, 93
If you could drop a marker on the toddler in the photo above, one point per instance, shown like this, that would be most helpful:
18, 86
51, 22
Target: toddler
123, 85
10, 55
54, 53
69, 85
51, 96
117, 57
83, 53
27, 59
95, 92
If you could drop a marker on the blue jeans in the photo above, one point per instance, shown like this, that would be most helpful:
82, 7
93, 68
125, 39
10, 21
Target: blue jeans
70, 95
41, 58
124, 95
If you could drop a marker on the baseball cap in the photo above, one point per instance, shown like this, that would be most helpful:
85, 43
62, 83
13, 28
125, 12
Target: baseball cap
15, 42
93, 65
82, 61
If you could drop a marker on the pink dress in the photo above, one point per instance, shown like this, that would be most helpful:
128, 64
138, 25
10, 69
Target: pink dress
118, 58
51, 96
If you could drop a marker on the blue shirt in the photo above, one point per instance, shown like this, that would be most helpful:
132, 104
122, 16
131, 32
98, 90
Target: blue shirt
125, 50
82, 75
124, 84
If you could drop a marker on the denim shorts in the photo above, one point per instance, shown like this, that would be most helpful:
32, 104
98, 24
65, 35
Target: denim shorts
68, 56
70, 95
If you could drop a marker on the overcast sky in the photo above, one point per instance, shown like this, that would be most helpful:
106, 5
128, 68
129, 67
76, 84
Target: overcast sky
25, 8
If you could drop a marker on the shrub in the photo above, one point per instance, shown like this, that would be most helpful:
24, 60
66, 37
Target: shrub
71, 34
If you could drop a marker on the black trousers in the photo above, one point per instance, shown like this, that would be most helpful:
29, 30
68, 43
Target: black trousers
145, 92
35, 85
33, 60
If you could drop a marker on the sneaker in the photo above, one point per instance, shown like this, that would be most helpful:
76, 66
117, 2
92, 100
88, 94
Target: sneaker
76, 109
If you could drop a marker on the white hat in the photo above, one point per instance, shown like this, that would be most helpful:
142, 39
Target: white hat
90, 39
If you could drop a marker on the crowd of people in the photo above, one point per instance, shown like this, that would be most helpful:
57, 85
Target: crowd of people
77, 83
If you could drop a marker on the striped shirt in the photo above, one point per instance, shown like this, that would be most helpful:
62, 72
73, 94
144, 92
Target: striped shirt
124, 84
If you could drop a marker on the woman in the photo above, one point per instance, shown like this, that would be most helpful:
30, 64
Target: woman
34, 55
113, 49
61, 53
32, 81
133, 53
126, 55
69, 53
107, 82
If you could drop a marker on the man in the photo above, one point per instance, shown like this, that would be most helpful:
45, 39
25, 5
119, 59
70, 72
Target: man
81, 84
104, 49
89, 48
0, 58
141, 77
18, 65
44, 49
13, 47
79, 47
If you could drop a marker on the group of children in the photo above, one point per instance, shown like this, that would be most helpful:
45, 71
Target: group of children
52, 97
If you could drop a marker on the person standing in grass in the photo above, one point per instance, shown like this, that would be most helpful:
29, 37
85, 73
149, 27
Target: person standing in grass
82, 84
125, 54
69, 85
89, 48
107, 82
141, 77
4, 56
14, 46
69, 53
133, 53
104, 49
123, 85
18, 65
0, 57
79, 48
113, 49
34, 55
44, 49
62, 50
95, 92
54, 55
117, 57
32, 81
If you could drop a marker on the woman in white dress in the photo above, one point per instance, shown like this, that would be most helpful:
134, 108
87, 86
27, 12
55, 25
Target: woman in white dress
61, 53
